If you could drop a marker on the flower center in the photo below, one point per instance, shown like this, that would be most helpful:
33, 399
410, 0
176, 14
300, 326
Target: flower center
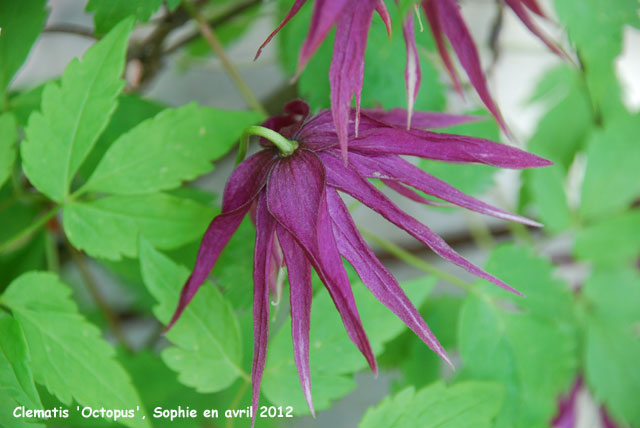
285, 146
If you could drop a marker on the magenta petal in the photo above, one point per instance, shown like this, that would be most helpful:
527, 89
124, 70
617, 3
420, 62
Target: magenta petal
431, 11
456, 30
243, 186
523, 14
375, 276
445, 147
347, 66
396, 168
292, 12
381, 8
419, 120
301, 293
295, 196
325, 14
346, 179
410, 193
567, 412
412, 74
265, 232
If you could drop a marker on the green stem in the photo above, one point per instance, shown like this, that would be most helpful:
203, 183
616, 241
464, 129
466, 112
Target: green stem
210, 37
417, 262
286, 147
30, 229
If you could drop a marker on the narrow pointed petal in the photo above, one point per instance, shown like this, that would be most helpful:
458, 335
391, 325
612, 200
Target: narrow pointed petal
374, 275
397, 169
431, 11
420, 120
295, 197
301, 292
265, 232
347, 66
523, 14
456, 30
292, 12
347, 180
381, 8
411, 194
445, 147
412, 73
243, 186
325, 14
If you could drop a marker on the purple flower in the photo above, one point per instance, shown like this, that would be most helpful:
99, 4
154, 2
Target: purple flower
352, 19
302, 222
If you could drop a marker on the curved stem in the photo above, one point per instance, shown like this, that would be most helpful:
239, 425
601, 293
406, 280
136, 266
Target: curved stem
30, 229
285, 146
210, 37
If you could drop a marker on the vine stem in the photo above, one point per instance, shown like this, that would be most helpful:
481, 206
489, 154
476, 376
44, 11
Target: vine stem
417, 262
30, 229
210, 36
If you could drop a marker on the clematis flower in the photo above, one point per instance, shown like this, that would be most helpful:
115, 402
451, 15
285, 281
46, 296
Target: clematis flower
295, 183
352, 19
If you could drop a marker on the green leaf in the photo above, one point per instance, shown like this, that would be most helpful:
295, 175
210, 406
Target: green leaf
533, 276
16, 379
614, 295
8, 137
560, 133
467, 404
611, 179
7, 407
207, 352
611, 367
109, 12
333, 357
109, 227
176, 145
533, 357
471, 179
612, 309
131, 110
74, 113
531, 349
596, 27
614, 241
68, 355
21, 24
550, 198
